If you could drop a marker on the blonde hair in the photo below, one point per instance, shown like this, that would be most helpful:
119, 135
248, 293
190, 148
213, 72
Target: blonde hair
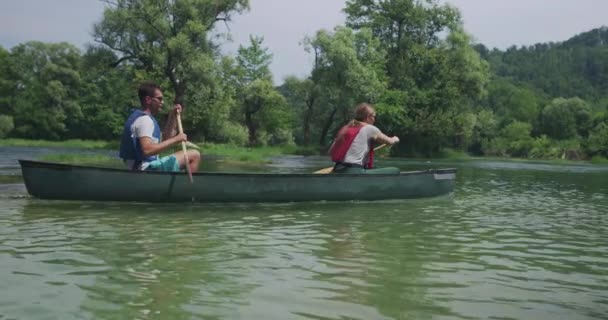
362, 111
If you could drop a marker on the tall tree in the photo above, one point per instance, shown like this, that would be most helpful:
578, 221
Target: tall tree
167, 37
406, 29
348, 69
303, 96
434, 73
45, 101
263, 109
106, 95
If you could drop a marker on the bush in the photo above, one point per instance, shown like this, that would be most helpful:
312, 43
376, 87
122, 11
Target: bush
6, 125
234, 133
597, 144
514, 140
544, 148
281, 137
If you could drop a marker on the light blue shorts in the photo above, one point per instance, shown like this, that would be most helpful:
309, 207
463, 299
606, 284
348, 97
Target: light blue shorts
168, 163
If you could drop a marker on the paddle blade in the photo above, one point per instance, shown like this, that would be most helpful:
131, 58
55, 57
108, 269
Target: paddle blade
325, 171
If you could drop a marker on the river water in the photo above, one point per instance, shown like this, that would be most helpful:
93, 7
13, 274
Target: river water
514, 241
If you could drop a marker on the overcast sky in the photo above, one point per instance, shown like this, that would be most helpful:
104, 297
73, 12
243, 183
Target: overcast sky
284, 23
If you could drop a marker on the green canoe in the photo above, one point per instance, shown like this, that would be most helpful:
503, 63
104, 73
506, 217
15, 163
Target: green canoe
69, 182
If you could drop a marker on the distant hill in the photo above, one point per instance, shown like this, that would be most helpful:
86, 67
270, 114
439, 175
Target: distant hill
577, 67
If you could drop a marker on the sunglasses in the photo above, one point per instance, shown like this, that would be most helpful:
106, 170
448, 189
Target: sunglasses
157, 98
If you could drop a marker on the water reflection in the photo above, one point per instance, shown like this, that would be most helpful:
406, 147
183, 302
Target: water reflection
510, 243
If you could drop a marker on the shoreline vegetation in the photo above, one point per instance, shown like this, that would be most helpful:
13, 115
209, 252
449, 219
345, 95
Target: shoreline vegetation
435, 87
237, 154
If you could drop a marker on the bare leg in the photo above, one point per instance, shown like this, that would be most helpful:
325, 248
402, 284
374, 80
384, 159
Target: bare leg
194, 158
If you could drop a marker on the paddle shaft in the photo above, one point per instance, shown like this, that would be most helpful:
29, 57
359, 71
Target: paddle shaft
184, 149
330, 169
380, 147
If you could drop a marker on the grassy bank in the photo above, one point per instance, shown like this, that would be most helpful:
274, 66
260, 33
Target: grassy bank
241, 154
228, 152
73, 143
463, 156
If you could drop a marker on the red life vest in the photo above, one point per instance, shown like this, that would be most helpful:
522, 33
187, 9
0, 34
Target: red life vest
344, 139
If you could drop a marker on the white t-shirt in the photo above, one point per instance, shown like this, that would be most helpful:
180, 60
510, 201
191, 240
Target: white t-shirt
142, 127
358, 151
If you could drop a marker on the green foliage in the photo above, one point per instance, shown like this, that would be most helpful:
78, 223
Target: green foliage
45, 102
168, 38
512, 103
72, 143
577, 67
513, 140
599, 160
237, 153
347, 71
566, 118
265, 113
598, 140
6, 125
303, 96
234, 134
262, 109
429, 62
84, 159
431, 86
253, 62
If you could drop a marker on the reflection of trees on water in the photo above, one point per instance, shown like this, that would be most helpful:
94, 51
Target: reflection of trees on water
151, 261
381, 251
313, 260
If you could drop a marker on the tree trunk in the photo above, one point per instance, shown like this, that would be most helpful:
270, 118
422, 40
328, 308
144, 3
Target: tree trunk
326, 126
252, 128
307, 120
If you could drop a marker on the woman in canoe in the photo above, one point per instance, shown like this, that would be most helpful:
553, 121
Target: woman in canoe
353, 147
141, 144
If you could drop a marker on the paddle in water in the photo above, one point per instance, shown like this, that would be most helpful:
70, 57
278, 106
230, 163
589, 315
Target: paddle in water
184, 149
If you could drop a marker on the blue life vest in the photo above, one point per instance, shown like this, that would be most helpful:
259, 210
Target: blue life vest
130, 148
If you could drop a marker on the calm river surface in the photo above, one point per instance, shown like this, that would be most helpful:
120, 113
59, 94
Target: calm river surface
514, 241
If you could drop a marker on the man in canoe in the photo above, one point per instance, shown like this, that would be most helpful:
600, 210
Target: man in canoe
353, 147
141, 144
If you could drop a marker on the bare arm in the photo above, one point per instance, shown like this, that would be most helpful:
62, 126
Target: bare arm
150, 148
382, 138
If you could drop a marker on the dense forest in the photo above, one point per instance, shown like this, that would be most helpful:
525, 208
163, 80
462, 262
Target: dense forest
431, 84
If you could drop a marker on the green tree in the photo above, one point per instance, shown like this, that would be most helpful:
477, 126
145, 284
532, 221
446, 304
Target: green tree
303, 96
512, 103
431, 61
106, 95
566, 118
513, 140
348, 69
265, 114
406, 29
263, 109
597, 143
6, 125
48, 83
166, 37
7, 82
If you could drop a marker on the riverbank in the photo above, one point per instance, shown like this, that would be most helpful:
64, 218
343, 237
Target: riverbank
226, 151
233, 153
463, 156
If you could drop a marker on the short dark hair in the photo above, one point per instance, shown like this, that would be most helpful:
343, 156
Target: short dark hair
147, 89
363, 110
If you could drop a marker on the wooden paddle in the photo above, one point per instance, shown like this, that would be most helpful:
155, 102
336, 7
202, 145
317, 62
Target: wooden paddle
184, 149
330, 169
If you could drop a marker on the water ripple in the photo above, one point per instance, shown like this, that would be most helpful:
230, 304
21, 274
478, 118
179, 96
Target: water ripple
506, 246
